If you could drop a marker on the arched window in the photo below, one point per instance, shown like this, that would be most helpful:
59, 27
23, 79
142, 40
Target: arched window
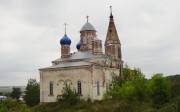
79, 88
98, 88
84, 40
51, 88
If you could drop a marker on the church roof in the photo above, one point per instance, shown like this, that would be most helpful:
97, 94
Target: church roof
84, 55
87, 26
112, 34
70, 64
65, 40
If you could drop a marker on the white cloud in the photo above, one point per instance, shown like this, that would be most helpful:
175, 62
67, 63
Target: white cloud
30, 32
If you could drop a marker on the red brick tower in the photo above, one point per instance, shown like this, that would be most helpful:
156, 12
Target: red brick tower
87, 34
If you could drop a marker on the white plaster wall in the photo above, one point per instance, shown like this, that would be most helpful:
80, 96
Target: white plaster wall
88, 75
83, 74
104, 75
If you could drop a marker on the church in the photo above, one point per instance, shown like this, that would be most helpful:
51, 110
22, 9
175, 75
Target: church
89, 70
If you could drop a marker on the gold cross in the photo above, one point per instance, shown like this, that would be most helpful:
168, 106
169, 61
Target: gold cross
111, 8
65, 24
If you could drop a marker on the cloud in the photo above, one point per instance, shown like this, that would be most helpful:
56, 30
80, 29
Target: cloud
17, 78
30, 32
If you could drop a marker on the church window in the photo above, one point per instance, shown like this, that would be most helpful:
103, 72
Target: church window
98, 88
79, 88
84, 40
51, 88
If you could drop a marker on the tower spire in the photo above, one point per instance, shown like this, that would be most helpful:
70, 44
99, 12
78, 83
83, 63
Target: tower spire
65, 24
111, 16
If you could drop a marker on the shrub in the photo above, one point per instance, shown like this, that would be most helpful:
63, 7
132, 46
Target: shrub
11, 105
68, 95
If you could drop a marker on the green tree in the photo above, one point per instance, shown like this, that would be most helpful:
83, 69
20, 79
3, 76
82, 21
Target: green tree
175, 84
16, 93
159, 90
32, 93
133, 86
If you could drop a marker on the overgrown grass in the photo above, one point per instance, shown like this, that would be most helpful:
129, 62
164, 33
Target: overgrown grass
106, 106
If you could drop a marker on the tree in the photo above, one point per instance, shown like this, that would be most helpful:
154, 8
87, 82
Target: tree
175, 84
159, 90
32, 93
132, 88
16, 93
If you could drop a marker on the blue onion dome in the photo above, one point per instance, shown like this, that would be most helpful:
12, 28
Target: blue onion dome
65, 40
88, 27
78, 45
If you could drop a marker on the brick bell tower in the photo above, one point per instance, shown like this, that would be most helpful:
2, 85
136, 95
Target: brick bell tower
87, 34
97, 46
112, 43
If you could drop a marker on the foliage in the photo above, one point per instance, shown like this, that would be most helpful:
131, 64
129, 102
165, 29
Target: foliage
155, 91
11, 105
16, 93
130, 90
129, 74
175, 84
159, 90
32, 93
68, 95
136, 94
133, 86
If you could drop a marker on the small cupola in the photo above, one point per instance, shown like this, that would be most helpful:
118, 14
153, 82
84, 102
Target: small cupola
65, 40
78, 45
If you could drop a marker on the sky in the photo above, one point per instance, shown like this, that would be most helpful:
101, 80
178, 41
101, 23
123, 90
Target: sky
30, 30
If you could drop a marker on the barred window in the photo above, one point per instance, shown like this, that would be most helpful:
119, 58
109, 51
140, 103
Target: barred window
79, 88
51, 88
98, 88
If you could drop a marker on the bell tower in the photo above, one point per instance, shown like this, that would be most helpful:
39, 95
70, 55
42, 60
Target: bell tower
112, 43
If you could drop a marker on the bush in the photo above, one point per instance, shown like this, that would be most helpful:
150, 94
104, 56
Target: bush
131, 90
68, 95
11, 105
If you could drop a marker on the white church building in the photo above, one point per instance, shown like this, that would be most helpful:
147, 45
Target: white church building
88, 70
